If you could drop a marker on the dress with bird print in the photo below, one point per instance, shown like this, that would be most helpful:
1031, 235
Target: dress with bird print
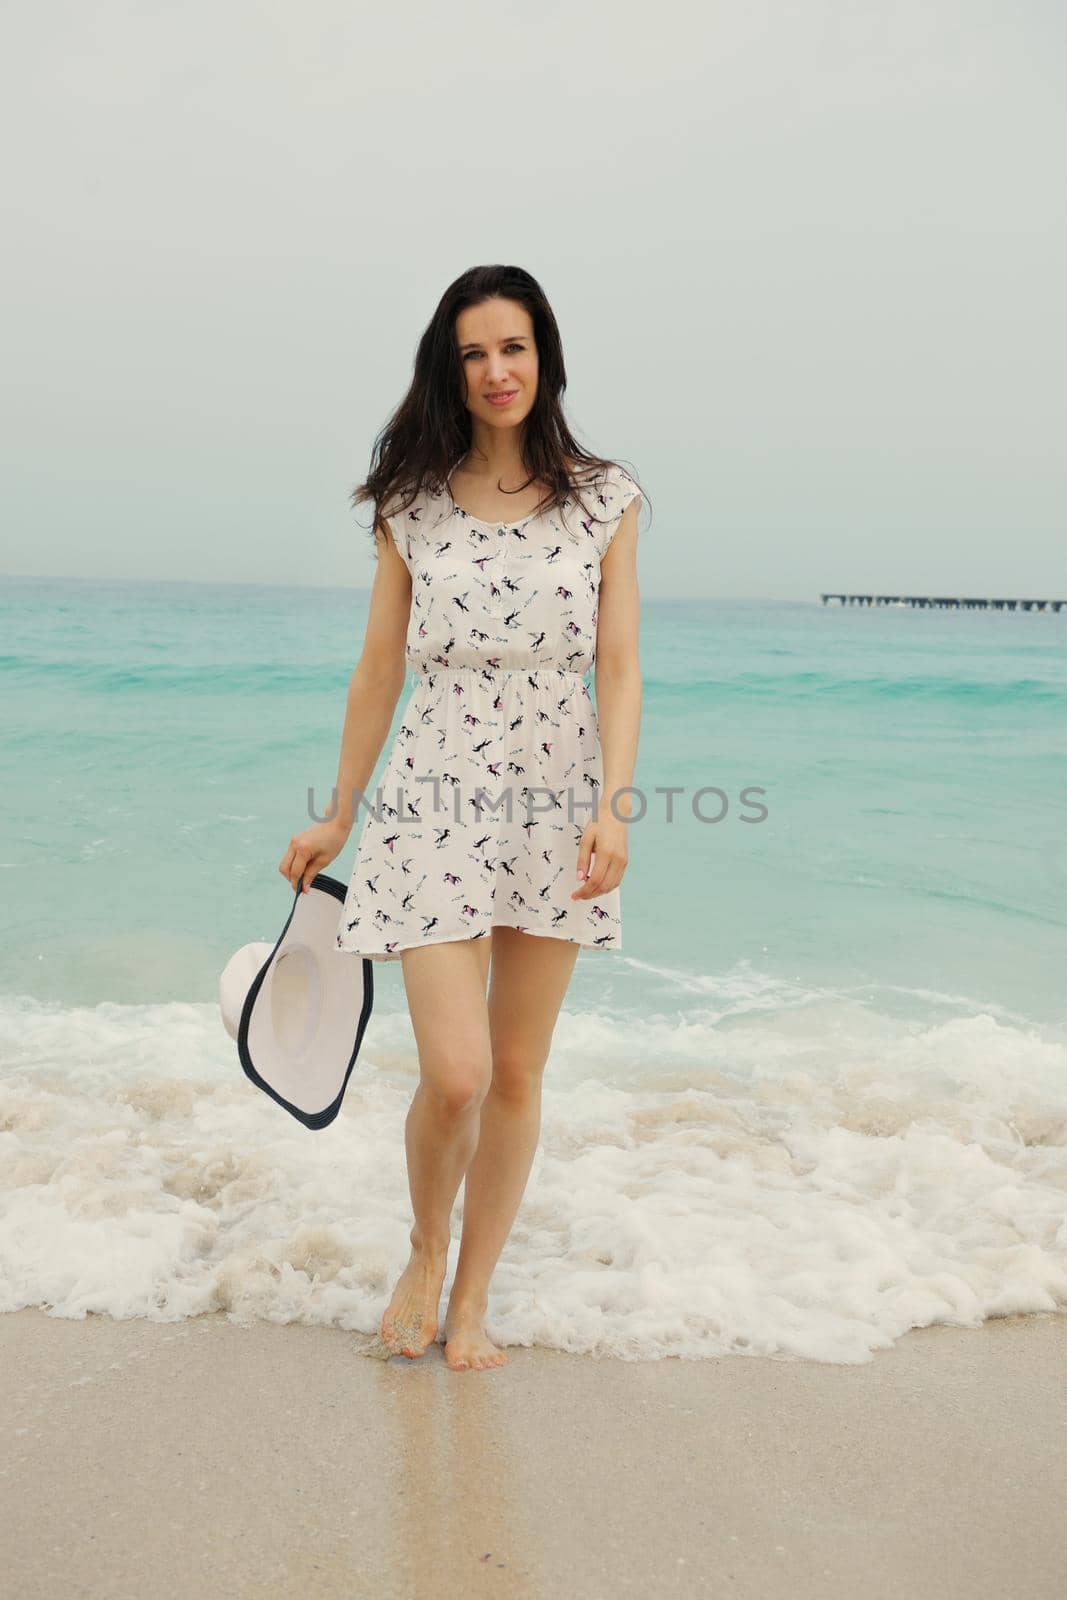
496, 765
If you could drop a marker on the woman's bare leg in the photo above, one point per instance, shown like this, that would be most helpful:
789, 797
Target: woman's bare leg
445, 986
528, 981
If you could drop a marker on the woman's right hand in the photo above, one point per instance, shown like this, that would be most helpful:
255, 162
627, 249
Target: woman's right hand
311, 851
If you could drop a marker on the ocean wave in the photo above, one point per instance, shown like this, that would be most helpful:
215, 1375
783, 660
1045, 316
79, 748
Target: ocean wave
827, 685
808, 1183
224, 679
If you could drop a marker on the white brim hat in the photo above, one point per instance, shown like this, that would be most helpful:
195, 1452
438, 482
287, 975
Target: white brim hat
298, 1009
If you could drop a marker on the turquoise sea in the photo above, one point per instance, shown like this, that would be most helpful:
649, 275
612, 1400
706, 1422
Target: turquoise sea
818, 1097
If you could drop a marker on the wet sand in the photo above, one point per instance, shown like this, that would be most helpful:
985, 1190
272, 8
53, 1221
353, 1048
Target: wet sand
206, 1459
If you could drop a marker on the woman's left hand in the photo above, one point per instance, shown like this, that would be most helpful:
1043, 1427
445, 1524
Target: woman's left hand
607, 840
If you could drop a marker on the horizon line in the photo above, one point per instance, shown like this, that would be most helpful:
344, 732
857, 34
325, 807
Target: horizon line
319, 588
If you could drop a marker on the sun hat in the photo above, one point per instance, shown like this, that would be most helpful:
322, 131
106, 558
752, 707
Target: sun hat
298, 1009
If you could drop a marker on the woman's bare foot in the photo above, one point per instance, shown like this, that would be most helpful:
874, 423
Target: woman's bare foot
466, 1342
409, 1325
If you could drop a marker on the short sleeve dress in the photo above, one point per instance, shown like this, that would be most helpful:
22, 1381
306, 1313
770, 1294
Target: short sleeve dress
496, 766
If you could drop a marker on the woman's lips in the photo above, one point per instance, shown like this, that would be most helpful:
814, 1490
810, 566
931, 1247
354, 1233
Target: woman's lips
502, 399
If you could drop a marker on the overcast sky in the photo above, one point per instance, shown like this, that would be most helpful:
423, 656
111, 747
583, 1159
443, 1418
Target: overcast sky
807, 259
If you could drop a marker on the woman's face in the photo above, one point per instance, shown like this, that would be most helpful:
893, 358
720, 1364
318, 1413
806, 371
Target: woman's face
498, 354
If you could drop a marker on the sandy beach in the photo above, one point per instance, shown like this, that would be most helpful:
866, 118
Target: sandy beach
204, 1458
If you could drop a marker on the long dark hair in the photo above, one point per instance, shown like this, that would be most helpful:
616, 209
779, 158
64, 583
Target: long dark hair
430, 430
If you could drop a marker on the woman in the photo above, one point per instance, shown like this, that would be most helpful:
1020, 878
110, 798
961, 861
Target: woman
506, 566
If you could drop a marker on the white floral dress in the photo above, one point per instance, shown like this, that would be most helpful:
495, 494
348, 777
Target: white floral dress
497, 762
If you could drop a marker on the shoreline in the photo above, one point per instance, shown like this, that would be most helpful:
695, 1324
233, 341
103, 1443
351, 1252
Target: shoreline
275, 1459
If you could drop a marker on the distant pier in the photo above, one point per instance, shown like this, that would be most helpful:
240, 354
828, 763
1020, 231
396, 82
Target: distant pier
942, 602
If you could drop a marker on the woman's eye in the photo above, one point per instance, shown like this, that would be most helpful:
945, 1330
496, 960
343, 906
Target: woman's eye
468, 353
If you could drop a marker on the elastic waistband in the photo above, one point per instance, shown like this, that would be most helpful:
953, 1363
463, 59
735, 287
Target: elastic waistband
549, 674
